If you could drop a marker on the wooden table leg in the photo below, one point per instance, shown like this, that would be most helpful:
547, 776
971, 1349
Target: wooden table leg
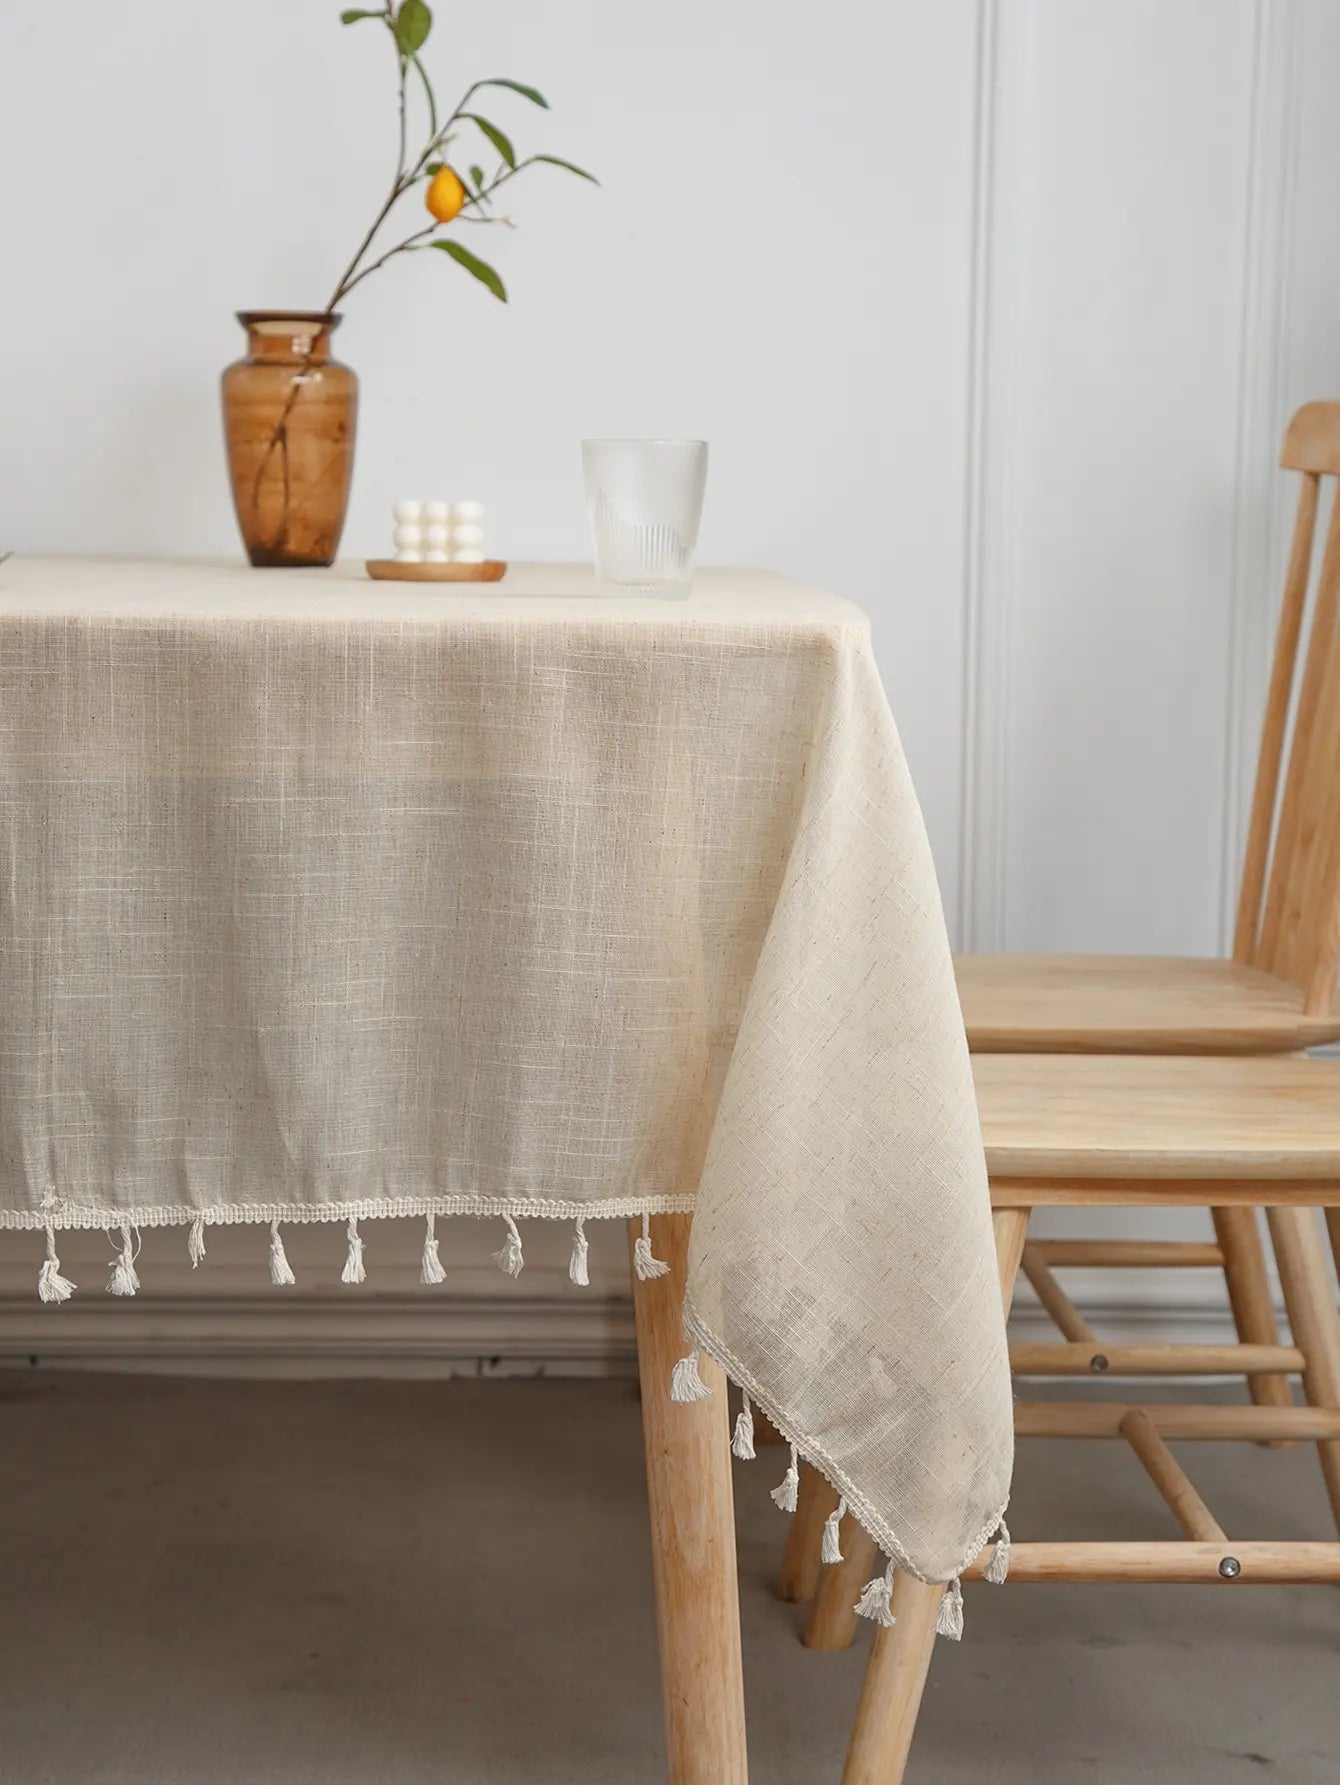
895, 1677
693, 1533
1309, 1299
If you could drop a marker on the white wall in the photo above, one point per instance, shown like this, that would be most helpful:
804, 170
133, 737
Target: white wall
993, 311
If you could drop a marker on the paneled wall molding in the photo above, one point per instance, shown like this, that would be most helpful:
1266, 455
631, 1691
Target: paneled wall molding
1001, 223
1262, 497
1000, 204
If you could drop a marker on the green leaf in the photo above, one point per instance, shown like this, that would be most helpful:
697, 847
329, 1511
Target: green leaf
571, 167
531, 93
352, 17
428, 95
434, 167
413, 22
477, 178
473, 264
501, 143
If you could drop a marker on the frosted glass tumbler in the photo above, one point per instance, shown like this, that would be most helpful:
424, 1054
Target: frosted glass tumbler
645, 499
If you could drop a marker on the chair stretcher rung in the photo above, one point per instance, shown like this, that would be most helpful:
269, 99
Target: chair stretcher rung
1096, 1359
1189, 1564
1132, 1254
1171, 1479
1054, 1299
1102, 1419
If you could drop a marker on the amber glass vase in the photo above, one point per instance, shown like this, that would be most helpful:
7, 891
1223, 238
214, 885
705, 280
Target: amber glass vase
289, 415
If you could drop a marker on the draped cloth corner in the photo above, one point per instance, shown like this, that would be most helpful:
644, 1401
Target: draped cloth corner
842, 1263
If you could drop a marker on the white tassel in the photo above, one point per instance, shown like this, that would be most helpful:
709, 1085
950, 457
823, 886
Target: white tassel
577, 1270
353, 1271
644, 1264
830, 1550
510, 1259
999, 1566
743, 1442
785, 1494
876, 1601
195, 1242
950, 1621
431, 1270
51, 1286
685, 1382
124, 1281
281, 1272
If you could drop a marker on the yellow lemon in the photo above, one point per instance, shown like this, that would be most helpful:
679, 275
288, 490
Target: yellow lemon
445, 194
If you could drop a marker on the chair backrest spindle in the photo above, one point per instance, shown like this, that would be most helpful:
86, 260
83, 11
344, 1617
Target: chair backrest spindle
1265, 795
1297, 933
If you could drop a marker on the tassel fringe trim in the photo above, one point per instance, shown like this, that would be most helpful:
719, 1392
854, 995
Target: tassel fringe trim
281, 1272
430, 1271
123, 1277
644, 1264
577, 1270
123, 1280
742, 1444
830, 1549
51, 1286
950, 1621
685, 1382
998, 1567
787, 1492
510, 1260
354, 1271
876, 1601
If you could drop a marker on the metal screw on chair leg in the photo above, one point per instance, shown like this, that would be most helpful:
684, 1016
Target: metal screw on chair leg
1230, 1568
1098, 1363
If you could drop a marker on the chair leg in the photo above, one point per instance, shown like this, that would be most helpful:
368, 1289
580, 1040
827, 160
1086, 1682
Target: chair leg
804, 1544
895, 1677
693, 1534
1239, 1239
1010, 1227
1333, 1228
1309, 1298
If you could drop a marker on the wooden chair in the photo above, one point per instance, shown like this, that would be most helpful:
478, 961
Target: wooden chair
1238, 1133
1277, 993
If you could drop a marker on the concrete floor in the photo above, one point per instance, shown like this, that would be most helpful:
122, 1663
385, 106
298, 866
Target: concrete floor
423, 1583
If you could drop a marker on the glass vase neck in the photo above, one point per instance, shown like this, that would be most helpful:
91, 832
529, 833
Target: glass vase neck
283, 335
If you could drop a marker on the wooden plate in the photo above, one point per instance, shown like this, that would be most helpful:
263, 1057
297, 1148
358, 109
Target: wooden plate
389, 570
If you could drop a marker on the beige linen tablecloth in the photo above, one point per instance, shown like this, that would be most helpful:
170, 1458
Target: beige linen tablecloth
328, 900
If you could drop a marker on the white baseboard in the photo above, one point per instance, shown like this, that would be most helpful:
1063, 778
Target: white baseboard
323, 1335
326, 1333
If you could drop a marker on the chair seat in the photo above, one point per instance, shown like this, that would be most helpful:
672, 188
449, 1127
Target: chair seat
1216, 1117
1111, 1004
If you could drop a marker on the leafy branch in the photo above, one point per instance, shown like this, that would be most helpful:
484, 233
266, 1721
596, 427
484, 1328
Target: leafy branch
449, 196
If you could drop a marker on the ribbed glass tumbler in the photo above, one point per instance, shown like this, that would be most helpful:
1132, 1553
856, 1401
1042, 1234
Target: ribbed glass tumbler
645, 499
